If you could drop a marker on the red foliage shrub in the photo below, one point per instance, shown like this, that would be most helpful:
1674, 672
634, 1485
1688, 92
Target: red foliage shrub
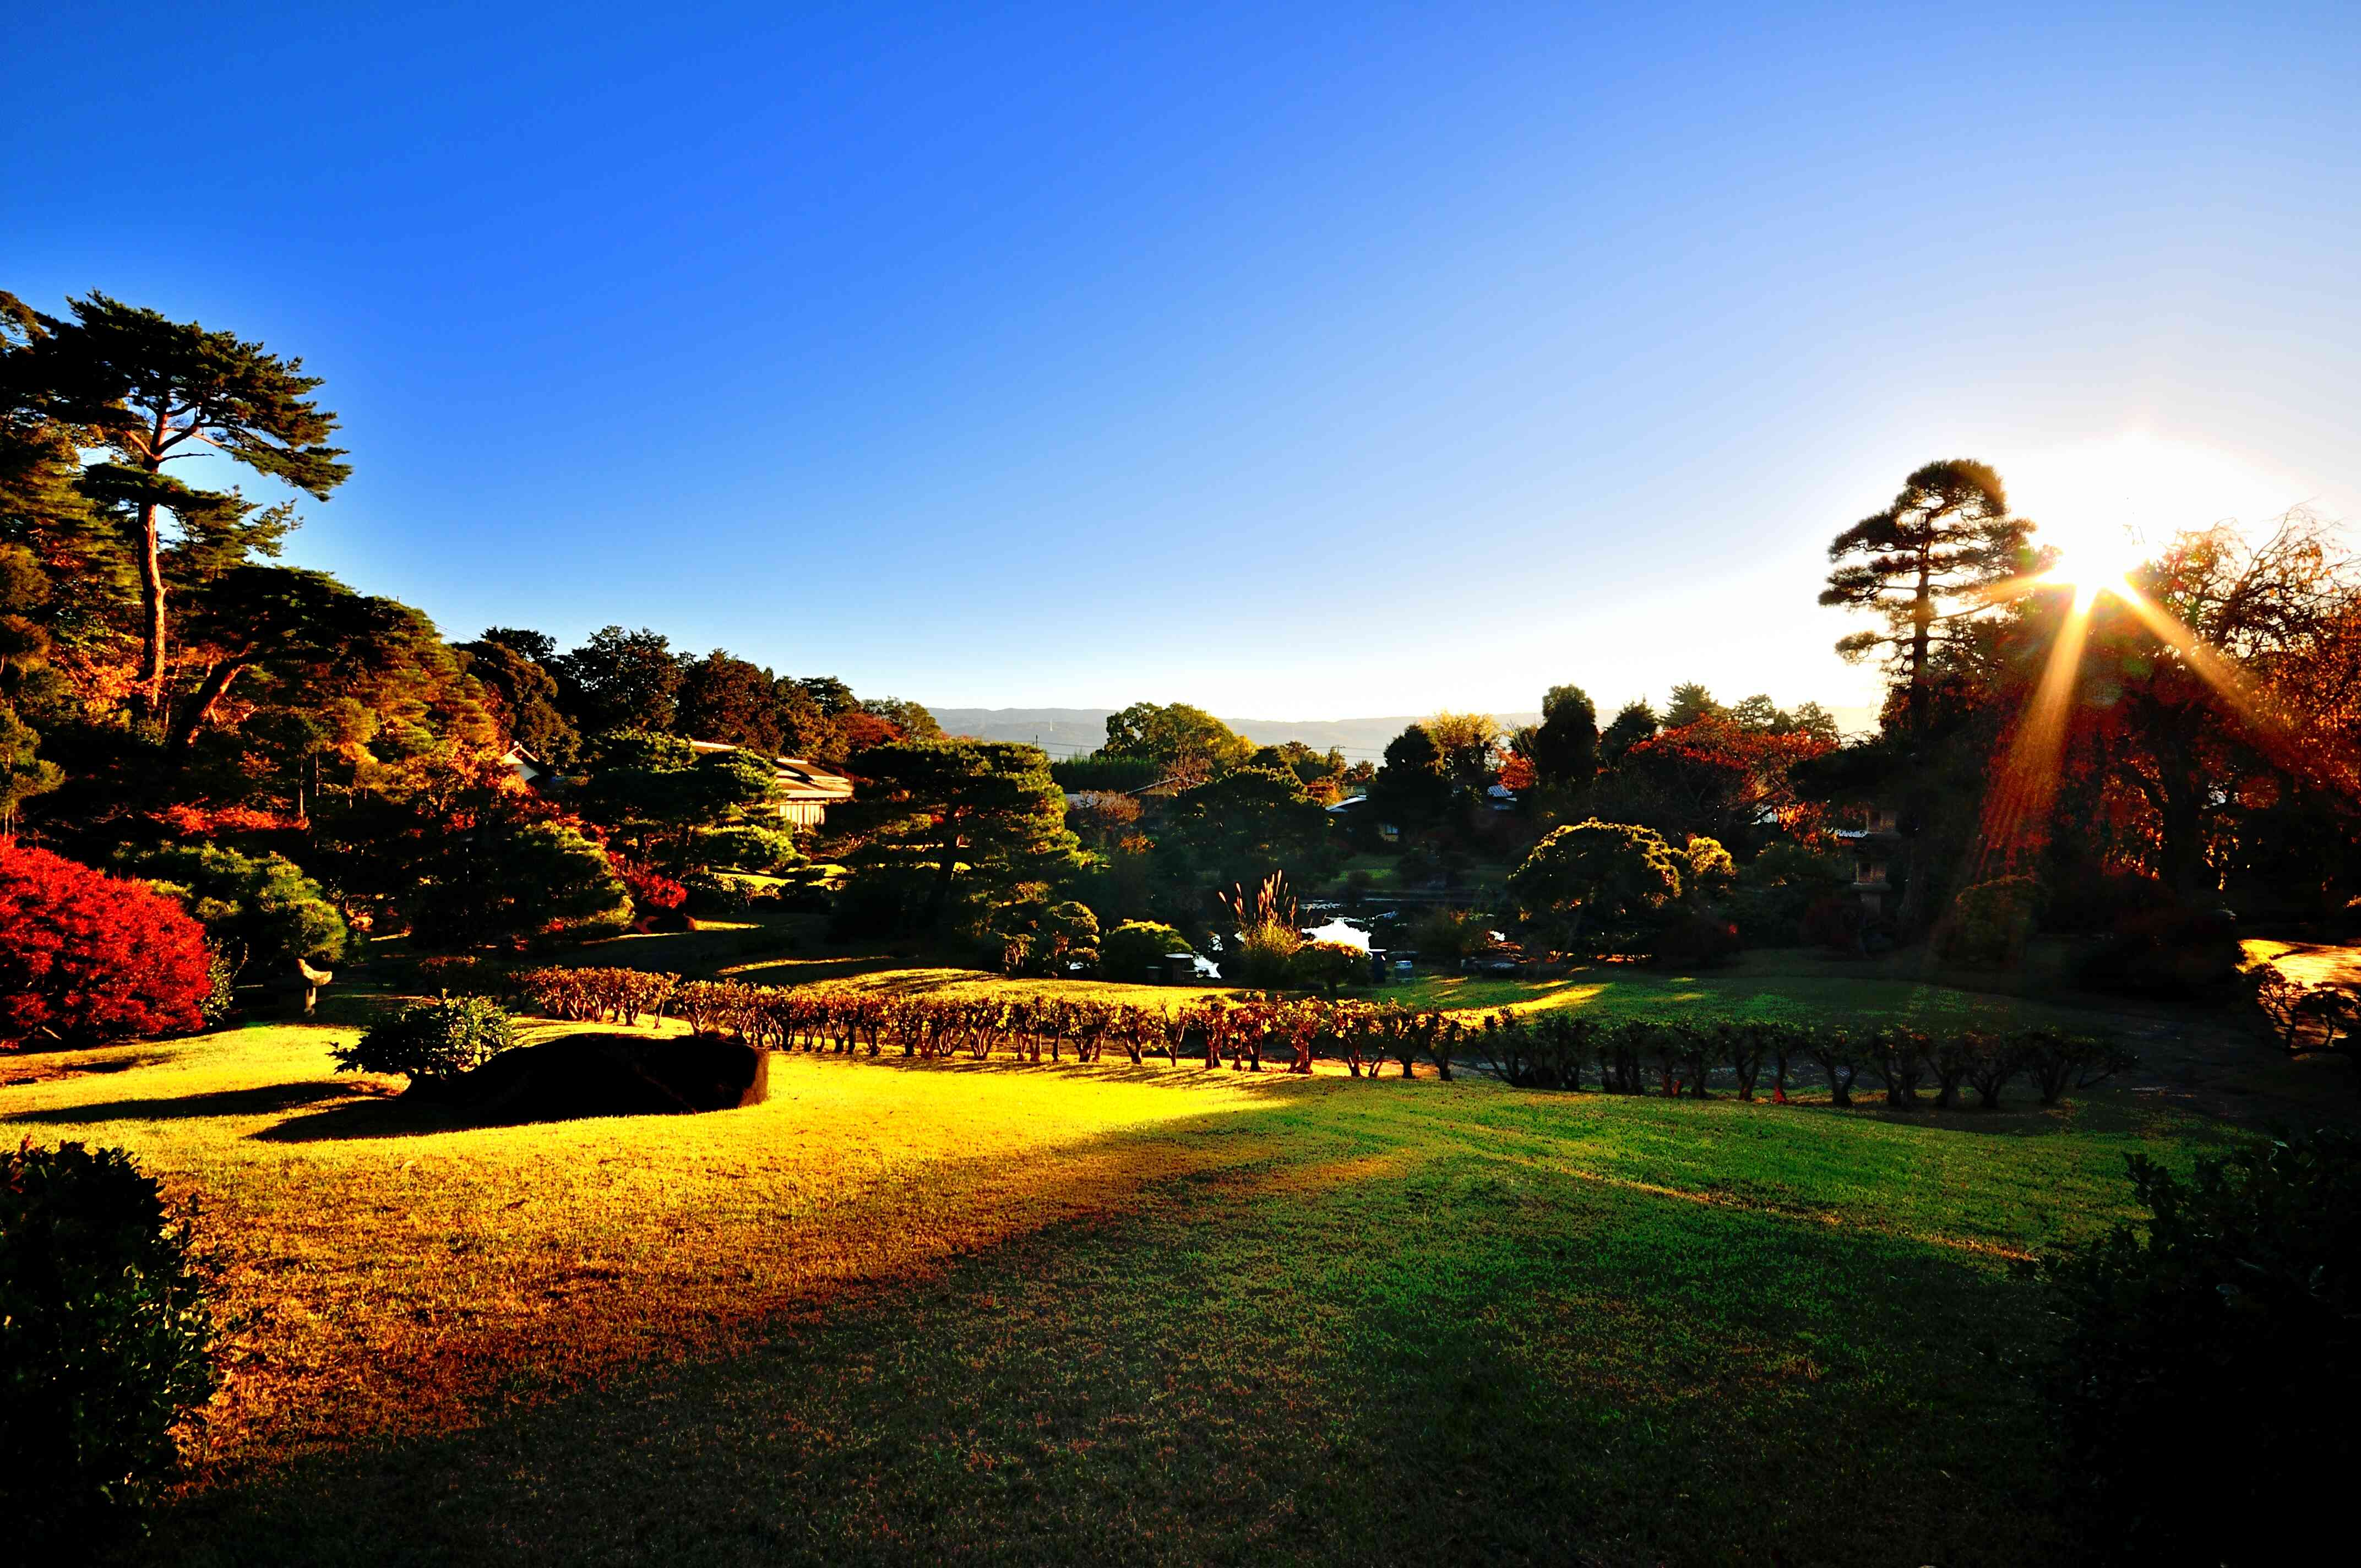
861, 730
651, 890
85, 956
186, 822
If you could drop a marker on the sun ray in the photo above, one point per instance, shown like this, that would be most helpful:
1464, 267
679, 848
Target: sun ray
2270, 727
2015, 826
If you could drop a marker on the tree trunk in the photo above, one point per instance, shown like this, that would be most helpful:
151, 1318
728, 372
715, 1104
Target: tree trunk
939, 899
2182, 849
1912, 907
209, 692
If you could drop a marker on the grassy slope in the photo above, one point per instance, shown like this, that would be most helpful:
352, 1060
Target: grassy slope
1021, 1315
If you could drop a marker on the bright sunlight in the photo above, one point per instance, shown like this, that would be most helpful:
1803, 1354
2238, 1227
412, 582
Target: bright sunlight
2103, 506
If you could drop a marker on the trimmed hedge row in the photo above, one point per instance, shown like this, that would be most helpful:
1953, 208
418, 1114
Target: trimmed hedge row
1682, 1057
597, 995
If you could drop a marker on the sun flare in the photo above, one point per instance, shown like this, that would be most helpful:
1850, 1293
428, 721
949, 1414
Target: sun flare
2106, 506
2093, 558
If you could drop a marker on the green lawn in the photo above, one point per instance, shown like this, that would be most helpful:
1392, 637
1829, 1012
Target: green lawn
997, 1313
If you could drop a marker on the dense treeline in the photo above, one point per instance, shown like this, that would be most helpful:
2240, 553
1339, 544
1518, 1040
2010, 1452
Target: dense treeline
2118, 756
2044, 757
165, 682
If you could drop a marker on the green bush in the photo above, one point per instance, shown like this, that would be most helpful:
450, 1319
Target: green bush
2211, 1364
1135, 947
1108, 773
714, 897
1044, 938
432, 1040
106, 1343
1991, 922
222, 974
746, 847
257, 910
1777, 889
1448, 935
1262, 955
1326, 967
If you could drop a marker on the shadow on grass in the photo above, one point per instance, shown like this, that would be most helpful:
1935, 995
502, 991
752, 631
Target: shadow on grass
402, 1116
788, 968
1465, 1365
33, 1068
259, 1101
2012, 1119
371, 1116
1187, 1074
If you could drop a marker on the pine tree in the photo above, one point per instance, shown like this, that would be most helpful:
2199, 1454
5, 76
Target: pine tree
155, 391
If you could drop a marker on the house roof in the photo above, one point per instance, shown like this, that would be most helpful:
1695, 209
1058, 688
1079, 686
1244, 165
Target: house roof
798, 778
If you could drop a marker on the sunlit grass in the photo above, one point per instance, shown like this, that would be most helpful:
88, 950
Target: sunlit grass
393, 1269
1081, 1314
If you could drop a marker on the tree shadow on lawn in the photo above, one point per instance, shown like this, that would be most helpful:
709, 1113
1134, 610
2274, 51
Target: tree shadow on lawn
34, 1067
1449, 1361
257, 1102
1185, 1075
2087, 1110
369, 1116
361, 1114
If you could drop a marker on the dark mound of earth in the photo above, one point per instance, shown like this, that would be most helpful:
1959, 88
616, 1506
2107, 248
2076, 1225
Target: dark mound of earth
599, 1074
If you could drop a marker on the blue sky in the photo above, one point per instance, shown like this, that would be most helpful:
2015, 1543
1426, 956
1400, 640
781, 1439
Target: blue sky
1295, 361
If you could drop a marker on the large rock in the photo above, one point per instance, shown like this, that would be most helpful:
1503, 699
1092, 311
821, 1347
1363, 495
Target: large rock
601, 1073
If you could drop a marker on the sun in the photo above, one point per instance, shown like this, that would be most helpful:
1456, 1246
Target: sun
2093, 557
2107, 506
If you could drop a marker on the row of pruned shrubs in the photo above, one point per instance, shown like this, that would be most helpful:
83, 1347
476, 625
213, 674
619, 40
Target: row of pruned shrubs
1242, 1034
597, 995
1678, 1056
1683, 1056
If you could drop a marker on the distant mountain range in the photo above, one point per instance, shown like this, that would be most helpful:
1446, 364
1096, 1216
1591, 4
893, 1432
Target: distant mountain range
1071, 731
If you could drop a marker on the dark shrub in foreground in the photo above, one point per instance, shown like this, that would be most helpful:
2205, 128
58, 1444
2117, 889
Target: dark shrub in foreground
2212, 1365
106, 1342
430, 1040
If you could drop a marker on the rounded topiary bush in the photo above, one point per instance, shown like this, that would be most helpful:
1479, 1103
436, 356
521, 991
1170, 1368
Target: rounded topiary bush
746, 847
1327, 967
1990, 922
431, 1041
1136, 949
86, 958
106, 1343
